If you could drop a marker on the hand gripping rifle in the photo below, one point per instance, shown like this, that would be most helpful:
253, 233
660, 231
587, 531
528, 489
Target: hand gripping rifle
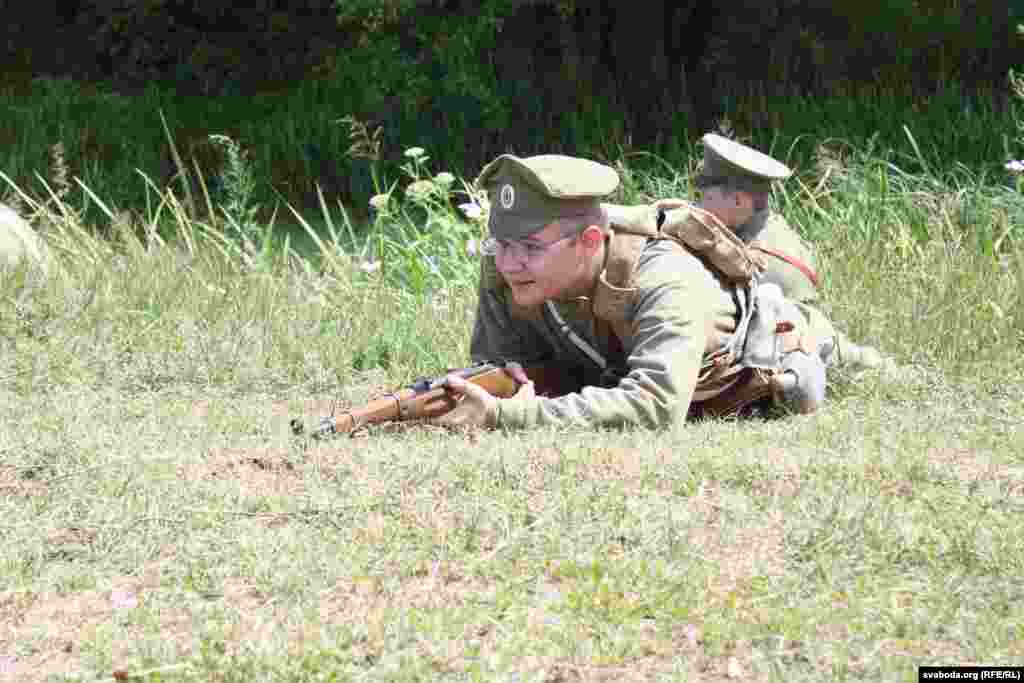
426, 398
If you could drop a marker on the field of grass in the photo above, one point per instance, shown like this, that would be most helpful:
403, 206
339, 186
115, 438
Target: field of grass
161, 523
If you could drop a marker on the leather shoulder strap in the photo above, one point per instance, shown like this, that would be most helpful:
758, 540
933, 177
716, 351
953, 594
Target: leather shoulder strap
804, 268
615, 291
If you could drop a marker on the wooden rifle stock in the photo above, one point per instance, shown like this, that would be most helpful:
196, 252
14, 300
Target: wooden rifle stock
426, 398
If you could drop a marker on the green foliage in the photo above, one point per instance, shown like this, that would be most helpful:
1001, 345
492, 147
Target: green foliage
371, 16
238, 187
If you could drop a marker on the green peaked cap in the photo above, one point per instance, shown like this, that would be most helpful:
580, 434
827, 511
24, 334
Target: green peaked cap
727, 162
528, 194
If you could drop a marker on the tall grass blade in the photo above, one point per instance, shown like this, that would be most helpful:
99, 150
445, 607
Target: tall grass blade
183, 175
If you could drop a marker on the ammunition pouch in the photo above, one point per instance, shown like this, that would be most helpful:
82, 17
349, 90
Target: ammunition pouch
779, 360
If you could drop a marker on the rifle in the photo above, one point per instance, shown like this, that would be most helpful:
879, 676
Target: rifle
426, 398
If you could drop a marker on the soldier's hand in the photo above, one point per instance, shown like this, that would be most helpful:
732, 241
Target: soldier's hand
515, 370
807, 391
476, 407
670, 203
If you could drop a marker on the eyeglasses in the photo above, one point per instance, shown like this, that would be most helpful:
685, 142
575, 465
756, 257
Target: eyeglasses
520, 250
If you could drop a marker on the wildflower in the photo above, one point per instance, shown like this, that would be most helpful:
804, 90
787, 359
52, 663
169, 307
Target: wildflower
471, 210
440, 302
1015, 166
472, 248
420, 188
369, 266
380, 201
415, 152
123, 600
444, 179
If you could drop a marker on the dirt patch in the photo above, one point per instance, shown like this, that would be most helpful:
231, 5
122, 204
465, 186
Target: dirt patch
257, 617
898, 488
540, 463
365, 602
943, 651
751, 551
57, 625
833, 632
259, 472
734, 663
21, 482
784, 478
71, 536
613, 464
968, 466
625, 465
433, 513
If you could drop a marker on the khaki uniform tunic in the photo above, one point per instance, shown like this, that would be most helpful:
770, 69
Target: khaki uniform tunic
680, 312
773, 231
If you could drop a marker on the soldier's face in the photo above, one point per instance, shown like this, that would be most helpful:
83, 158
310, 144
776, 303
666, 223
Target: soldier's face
547, 265
732, 207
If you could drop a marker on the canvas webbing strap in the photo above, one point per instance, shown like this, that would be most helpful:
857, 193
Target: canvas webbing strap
577, 341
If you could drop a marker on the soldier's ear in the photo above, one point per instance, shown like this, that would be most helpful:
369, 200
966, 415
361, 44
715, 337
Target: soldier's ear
592, 236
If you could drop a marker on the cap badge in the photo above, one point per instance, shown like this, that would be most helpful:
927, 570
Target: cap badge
508, 196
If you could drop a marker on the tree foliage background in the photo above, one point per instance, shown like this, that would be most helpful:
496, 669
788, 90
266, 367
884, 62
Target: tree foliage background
472, 79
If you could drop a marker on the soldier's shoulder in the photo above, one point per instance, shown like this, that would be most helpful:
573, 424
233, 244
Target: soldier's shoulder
664, 261
776, 222
778, 232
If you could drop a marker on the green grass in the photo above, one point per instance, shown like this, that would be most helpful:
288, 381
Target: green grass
160, 522
296, 139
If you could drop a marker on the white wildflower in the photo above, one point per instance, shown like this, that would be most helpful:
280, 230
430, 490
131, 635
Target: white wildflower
380, 201
472, 248
471, 210
444, 179
369, 266
122, 599
420, 188
1015, 166
415, 152
440, 303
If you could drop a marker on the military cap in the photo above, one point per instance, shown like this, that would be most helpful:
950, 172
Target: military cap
727, 162
528, 194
